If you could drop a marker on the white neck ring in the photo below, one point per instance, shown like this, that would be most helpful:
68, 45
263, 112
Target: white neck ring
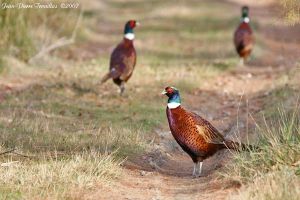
173, 105
129, 36
246, 19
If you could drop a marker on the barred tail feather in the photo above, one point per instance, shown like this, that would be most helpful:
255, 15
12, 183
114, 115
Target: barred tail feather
239, 146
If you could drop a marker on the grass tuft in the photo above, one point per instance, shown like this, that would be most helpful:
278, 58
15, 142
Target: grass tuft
278, 185
291, 11
270, 170
279, 146
53, 178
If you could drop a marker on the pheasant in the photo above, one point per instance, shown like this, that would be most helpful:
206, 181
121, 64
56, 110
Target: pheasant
123, 58
196, 136
243, 37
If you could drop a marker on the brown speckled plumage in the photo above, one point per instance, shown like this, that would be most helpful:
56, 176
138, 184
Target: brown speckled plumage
243, 40
197, 137
122, 60
243, 36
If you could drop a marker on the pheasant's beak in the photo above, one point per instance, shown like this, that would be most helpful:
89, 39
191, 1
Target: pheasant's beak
137, 23
164, 92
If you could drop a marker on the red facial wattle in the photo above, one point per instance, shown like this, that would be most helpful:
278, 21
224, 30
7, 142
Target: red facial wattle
169, 90
132, 24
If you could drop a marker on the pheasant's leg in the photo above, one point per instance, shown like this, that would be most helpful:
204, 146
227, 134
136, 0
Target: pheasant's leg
242, 62
122, 88
196, 169
200, 168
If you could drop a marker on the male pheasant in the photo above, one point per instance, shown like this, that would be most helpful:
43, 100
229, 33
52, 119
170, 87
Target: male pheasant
196, 136
123, 58
243, 36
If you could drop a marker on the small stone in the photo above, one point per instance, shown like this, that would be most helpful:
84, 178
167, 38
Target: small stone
142, 173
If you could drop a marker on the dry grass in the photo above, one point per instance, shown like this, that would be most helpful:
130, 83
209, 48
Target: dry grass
25, 32
291, 11
71, 149
272, 172
66, 117
277, 185
53, 177
279, 147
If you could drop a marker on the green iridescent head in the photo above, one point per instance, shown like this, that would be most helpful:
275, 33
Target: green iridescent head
173, 94
245, 11
129, 26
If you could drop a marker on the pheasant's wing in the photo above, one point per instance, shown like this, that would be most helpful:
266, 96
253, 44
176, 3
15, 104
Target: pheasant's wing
117, 65
207, 130
129, 61
122, 62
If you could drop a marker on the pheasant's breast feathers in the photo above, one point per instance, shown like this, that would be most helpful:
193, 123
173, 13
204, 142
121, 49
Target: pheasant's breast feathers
243, 33
243, 39
244, 27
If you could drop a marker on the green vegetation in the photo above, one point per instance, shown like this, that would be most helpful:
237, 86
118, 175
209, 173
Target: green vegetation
278, 147
68, 118
273, 171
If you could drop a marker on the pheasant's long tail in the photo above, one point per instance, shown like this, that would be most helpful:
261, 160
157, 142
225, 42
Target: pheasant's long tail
105, 78
239, 146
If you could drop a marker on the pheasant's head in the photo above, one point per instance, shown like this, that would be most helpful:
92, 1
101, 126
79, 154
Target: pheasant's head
128, 30
245, 14
174, 97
